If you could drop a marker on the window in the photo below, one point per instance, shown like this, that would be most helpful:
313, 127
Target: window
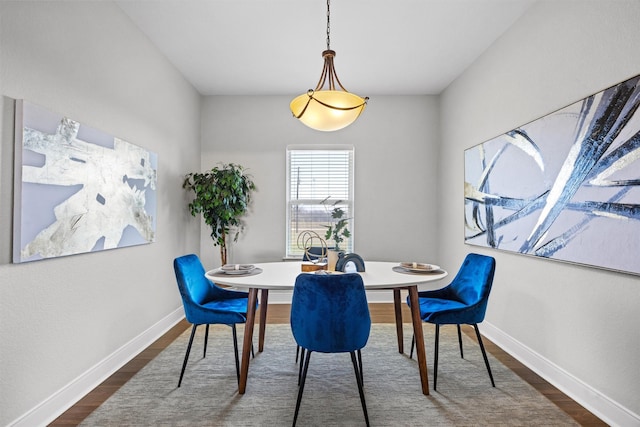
318, 177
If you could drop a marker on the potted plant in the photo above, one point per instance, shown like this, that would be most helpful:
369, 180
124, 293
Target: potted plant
222, 196
337, 230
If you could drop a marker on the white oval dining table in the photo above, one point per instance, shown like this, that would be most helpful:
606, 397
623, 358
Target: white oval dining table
282, 276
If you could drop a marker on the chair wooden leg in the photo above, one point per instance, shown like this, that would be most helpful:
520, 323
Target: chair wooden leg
186, 356
360, 387
460, 341
235, 350
206, 340
484, 353
302, 381
435, 358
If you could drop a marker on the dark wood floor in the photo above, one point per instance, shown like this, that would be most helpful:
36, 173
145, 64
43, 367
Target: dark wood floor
279, 313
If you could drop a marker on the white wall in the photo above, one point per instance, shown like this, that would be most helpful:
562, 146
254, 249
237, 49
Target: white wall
65, 322
395, 143
576, 325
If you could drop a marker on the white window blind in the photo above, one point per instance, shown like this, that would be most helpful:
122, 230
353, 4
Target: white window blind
317, 174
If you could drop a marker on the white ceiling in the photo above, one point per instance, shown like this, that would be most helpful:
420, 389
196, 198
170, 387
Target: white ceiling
274, 47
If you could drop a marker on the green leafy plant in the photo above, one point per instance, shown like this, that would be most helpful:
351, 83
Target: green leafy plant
222, 196
337, 230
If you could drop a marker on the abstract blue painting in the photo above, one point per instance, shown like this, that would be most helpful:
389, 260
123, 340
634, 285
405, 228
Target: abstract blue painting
564, 187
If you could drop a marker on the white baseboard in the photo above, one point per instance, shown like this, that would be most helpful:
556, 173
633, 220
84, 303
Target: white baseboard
597, 403
63, 399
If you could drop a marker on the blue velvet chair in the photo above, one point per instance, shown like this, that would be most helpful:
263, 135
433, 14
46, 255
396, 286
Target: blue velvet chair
315, 252
205, 303
330, 314
462, 302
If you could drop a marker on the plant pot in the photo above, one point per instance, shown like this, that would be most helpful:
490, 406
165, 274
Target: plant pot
332, 259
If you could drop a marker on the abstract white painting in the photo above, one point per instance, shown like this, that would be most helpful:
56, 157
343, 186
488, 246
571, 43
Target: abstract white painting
78, 189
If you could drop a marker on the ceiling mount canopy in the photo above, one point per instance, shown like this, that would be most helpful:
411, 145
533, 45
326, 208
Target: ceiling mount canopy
326, 108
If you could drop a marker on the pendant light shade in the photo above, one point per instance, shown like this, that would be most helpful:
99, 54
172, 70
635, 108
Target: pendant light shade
327, 108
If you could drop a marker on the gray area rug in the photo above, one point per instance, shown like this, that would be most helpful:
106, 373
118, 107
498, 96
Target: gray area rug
208, 395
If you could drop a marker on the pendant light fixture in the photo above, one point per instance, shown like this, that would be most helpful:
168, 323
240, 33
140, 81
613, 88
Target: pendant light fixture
326, 108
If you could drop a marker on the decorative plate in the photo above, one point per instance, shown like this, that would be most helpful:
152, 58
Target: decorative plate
419, 267
237, 268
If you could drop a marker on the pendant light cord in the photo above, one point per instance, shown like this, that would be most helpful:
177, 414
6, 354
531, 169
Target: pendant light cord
328, 109
328, 27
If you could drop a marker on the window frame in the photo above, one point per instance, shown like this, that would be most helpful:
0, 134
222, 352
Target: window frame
347, 199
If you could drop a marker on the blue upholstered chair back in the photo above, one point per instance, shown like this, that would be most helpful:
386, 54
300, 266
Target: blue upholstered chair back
468, 292
329, 312
199, 294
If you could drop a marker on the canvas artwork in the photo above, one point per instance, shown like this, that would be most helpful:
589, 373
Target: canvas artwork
564, 187
78, 189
